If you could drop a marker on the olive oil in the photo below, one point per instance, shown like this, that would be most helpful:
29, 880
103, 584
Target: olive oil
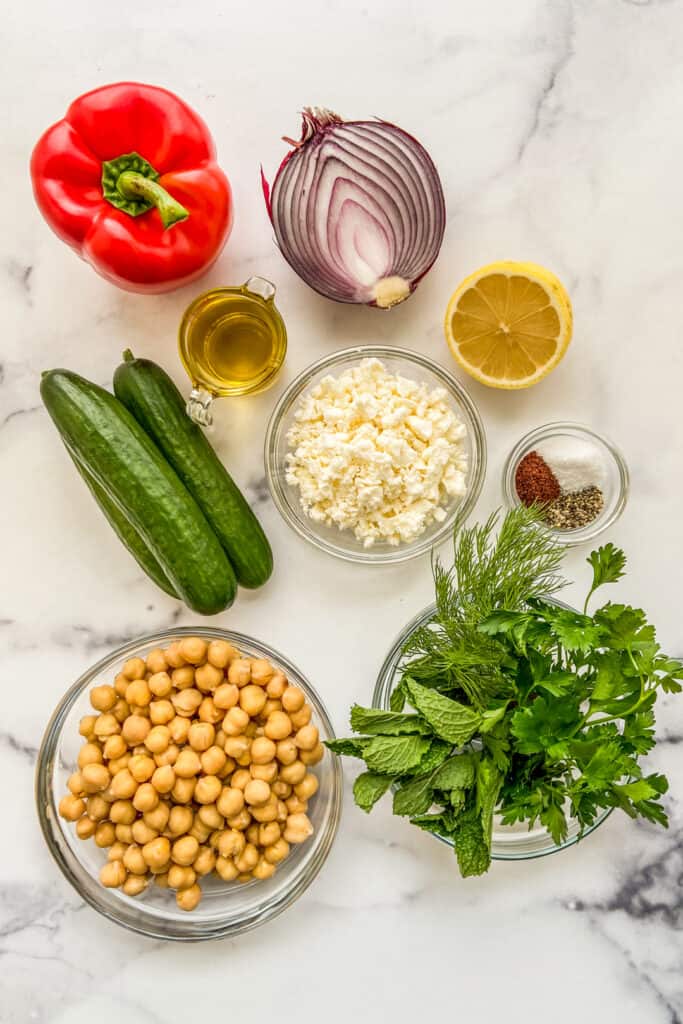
233, 340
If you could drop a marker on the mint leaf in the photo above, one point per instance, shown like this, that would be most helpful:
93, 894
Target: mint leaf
489, 781
394, 755
436, 755
348, 747
471, 847
455, 773
543, 724
414, 797
438, 824
368, 788
397, 699
373, 722
448, 718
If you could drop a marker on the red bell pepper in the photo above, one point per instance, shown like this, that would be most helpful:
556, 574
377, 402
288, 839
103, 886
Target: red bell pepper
129, 180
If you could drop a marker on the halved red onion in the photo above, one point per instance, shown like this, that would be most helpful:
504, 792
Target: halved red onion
358, 209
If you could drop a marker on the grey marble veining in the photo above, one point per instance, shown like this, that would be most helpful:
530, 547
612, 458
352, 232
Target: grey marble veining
556, 127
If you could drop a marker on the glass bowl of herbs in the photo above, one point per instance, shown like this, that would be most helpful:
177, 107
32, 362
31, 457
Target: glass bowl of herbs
504, 722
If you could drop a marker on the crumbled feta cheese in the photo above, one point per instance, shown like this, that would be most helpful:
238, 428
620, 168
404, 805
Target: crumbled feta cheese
376, 453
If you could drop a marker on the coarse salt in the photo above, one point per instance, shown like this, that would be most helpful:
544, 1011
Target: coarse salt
376, 453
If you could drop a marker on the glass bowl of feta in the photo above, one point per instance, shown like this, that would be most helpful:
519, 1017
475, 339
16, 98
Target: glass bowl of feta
375, 454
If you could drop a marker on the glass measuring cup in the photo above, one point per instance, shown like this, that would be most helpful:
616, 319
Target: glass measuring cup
232, 341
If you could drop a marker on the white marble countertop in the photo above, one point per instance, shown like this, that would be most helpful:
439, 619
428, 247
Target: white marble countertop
556, 127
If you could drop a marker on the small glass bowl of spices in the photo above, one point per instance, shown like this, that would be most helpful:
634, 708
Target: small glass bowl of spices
579, 477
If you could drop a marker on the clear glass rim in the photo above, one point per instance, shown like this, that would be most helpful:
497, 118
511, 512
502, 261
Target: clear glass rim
583, 534
380, 699
401, 553
89, 888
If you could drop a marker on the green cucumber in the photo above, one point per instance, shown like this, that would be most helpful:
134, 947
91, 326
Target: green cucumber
126, 533
151, 396
125, 462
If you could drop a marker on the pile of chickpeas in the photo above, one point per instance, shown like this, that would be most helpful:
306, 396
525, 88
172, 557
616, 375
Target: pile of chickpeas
197, 760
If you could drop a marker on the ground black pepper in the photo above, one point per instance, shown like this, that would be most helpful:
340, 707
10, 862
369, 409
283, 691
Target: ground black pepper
575, 509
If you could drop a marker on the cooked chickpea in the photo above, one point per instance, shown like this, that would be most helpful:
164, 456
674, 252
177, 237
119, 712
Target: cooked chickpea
158, 739
161, 712
230, 801
251, 833
179, 728
97, 807
103, 698
211, 816
208, 712
293, 699
146, 797
263, 869
247, 859
156, 660
226, 869
134, 668
239, 821
278, 726
133, 860
268, 708
286, 751
158, 817
187, 899
199, 831
301, 717
116, 851
263, 750
267, 811
173, 655
187, 764
257, 792
208, 789
277, 851
142, 767
186, 702
142, 833
168, 756
237, 746
221, 653
157, 852
139, 693
121, 684
296, 806
207, 678
231, 843
180, 877
105, 835
75, 784
268, 833
240, 778
90, 753
310, 757
114, 747
123, 785
113, 874
276, 685
119, 763
265, 772
183, 791
95, 777
134, 885
282, 812
298, 828
183, 678
281, 789
226, 696
160, 684
161, 880
239, 672
252, 700
122, 834
135, 728
85, 827
122, 812
86, 726
193, 649
184, 850
307, 737
213, 760
201, 735
164, 779
235, 722
180, 820
293, 773
121, 710
307, 787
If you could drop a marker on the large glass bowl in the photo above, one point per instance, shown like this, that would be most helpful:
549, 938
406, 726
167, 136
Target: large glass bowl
509, 842
225, 908
343, 544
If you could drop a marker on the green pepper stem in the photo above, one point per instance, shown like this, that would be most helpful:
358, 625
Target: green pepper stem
133, 185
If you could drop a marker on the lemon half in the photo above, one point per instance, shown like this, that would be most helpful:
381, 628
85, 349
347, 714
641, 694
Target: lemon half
509, 324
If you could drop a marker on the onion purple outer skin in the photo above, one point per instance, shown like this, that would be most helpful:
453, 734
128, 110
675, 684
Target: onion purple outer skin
357, 208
